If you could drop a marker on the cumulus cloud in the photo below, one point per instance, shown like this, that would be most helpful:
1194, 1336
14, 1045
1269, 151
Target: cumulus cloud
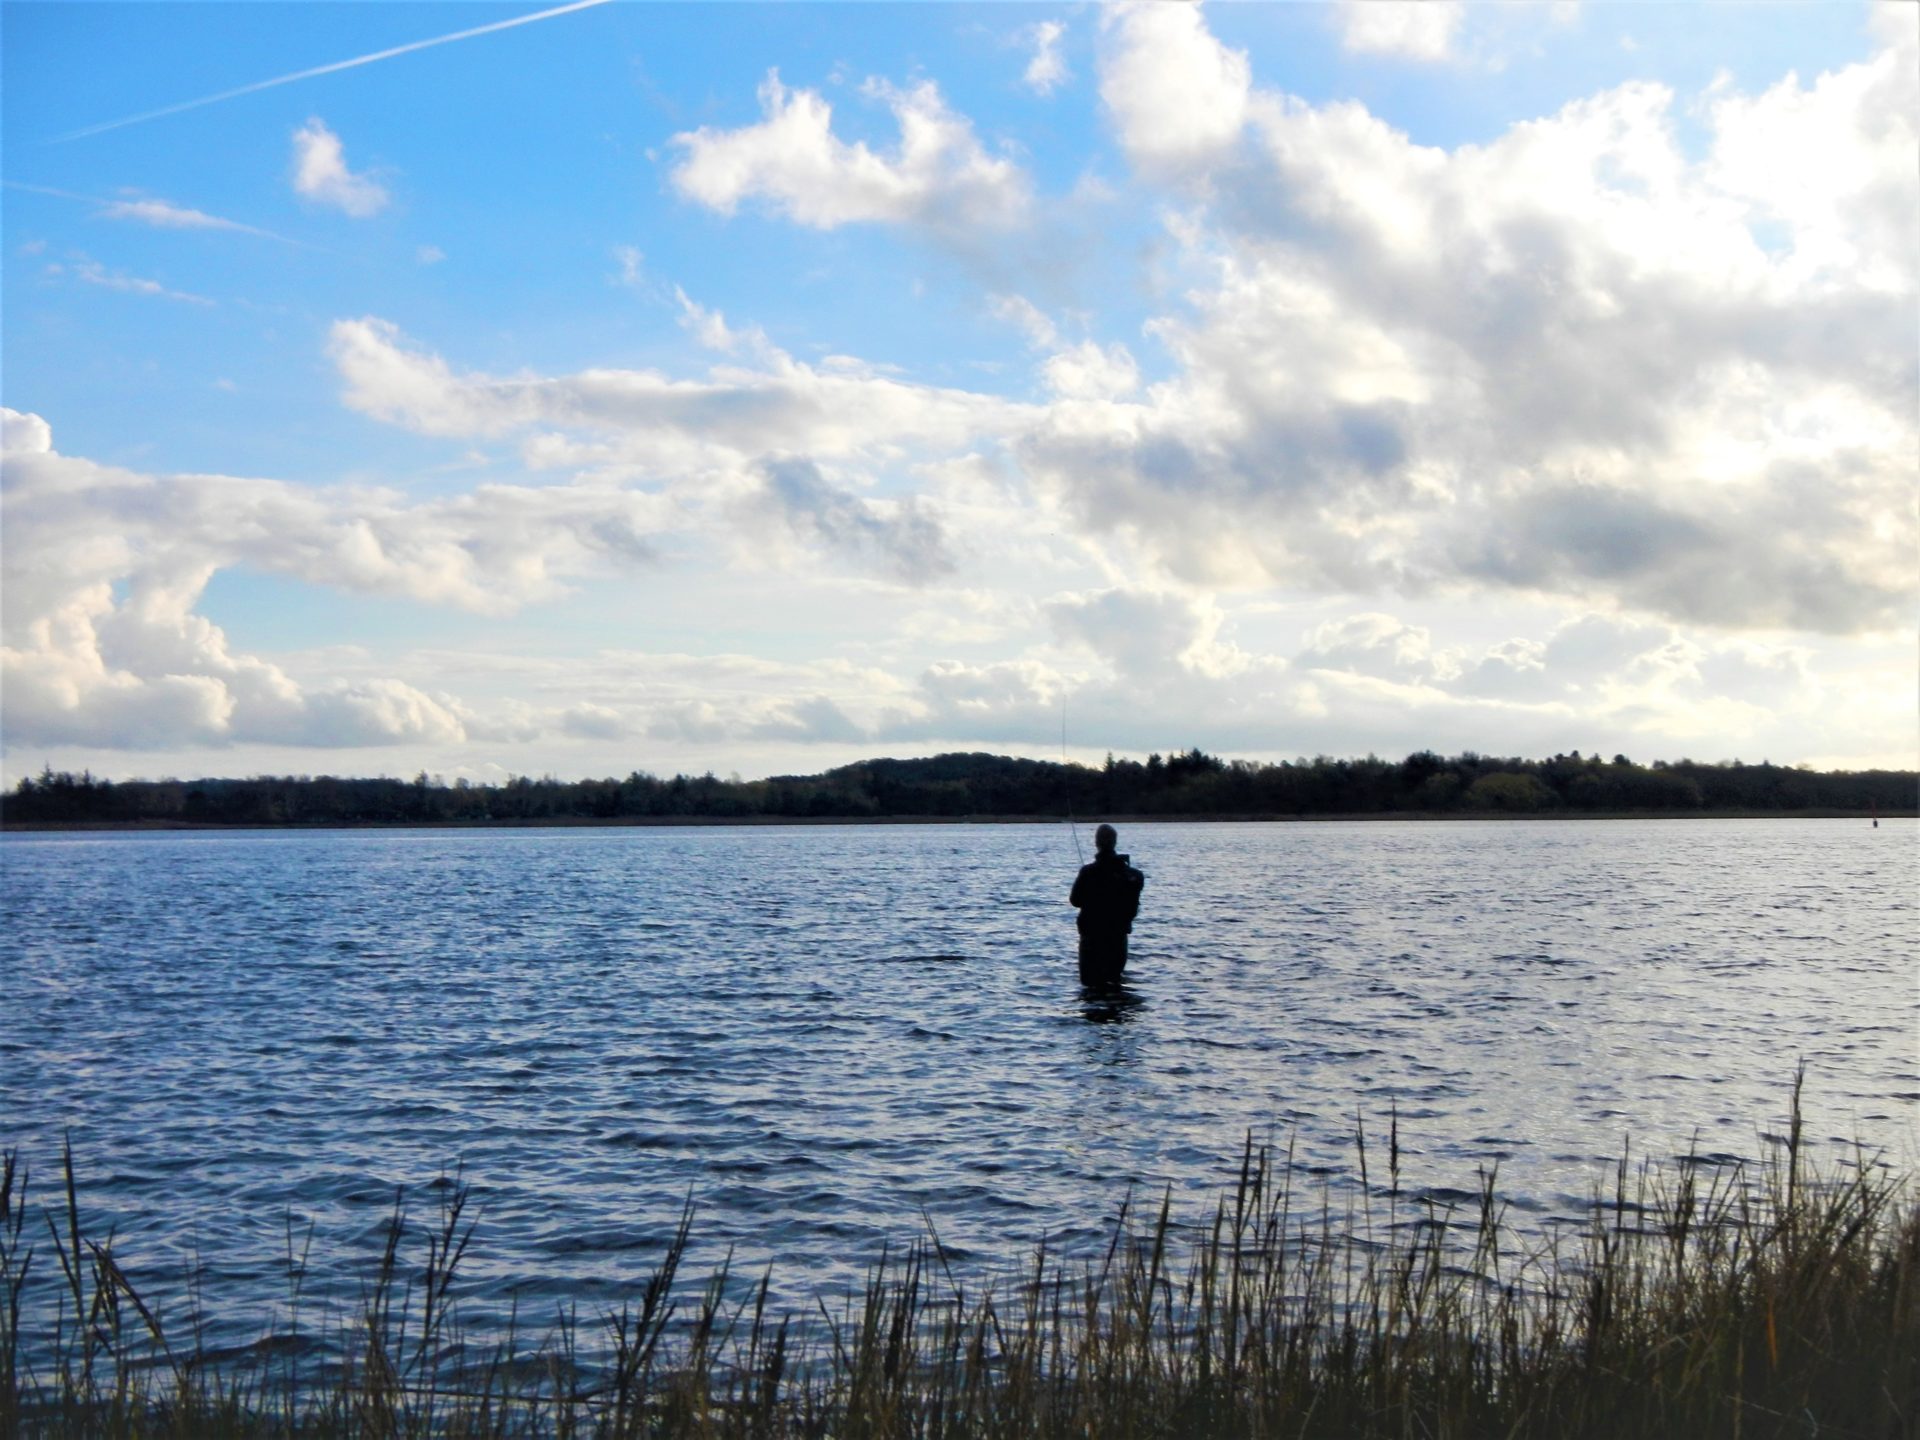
1561, 362
104, 568
815, 720
730, 417
1832, 161
1082, 370
1175, 94
938, 175
105, 649
144, 672
901, 537
1006, 700
1513, 670
1571, 360
1409, 29
1165, 677
376, 712
1046, 69
1370, 643
23, 434
1720, 569
710, 328
1090, 371
320, 173
1631, 677
706, 700
591, 721
1148, 634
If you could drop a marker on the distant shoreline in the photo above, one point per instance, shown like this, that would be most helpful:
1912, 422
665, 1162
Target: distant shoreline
580, 822
982, 789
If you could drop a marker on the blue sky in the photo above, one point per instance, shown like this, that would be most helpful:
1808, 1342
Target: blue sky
761, 387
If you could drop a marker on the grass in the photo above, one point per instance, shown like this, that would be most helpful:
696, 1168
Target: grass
1697, 1302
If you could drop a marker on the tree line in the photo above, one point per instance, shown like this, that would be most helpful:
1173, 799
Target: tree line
957, 786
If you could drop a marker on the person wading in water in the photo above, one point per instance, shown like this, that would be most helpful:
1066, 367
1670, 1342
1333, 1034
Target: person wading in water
1107, 895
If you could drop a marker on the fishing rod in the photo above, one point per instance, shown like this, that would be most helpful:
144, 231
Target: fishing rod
1074, 829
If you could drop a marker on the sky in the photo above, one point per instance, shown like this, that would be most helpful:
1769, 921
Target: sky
494, 390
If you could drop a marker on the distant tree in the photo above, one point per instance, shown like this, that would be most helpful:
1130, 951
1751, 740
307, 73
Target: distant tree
1511, 792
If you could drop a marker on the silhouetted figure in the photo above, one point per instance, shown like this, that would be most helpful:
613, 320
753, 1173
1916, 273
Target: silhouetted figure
1107, 894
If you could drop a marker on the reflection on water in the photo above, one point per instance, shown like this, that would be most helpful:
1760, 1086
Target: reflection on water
1114, 1004
828, 1035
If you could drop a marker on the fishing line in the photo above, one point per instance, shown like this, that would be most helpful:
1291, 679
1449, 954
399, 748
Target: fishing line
1074, 829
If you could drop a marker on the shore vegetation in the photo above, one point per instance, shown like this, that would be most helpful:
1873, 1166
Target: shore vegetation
958, 786
1696, 1301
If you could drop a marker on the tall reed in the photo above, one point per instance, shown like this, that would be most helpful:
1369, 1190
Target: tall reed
1698, 1301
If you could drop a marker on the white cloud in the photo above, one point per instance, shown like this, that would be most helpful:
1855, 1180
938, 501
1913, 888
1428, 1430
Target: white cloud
710, 328
145, 672
730, 418
1513, 670
938, 175
165, 215
143, 210
1147, 634
1046, 69
1833, 162
1410, 29
320, 173
1085, 370
1560, 362
999, 701
814, 720
24, 434
92, 272
904, 538
589, 721
1174, 92
1370, 643
105, 652
633, 266
429, 254
1032, 321
1088, 371
104, 568
1655, 390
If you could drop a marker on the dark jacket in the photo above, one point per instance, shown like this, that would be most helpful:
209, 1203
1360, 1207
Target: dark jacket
1107, 894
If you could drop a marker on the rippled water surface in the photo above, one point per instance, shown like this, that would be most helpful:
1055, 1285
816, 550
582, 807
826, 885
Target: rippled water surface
827, 1034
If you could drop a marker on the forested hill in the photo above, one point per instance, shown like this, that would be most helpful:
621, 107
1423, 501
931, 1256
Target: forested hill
960, 785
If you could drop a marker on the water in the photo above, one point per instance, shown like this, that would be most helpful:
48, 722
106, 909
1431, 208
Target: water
830, 1036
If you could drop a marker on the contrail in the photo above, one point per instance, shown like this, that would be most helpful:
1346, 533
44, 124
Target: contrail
330, 69
149, 210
